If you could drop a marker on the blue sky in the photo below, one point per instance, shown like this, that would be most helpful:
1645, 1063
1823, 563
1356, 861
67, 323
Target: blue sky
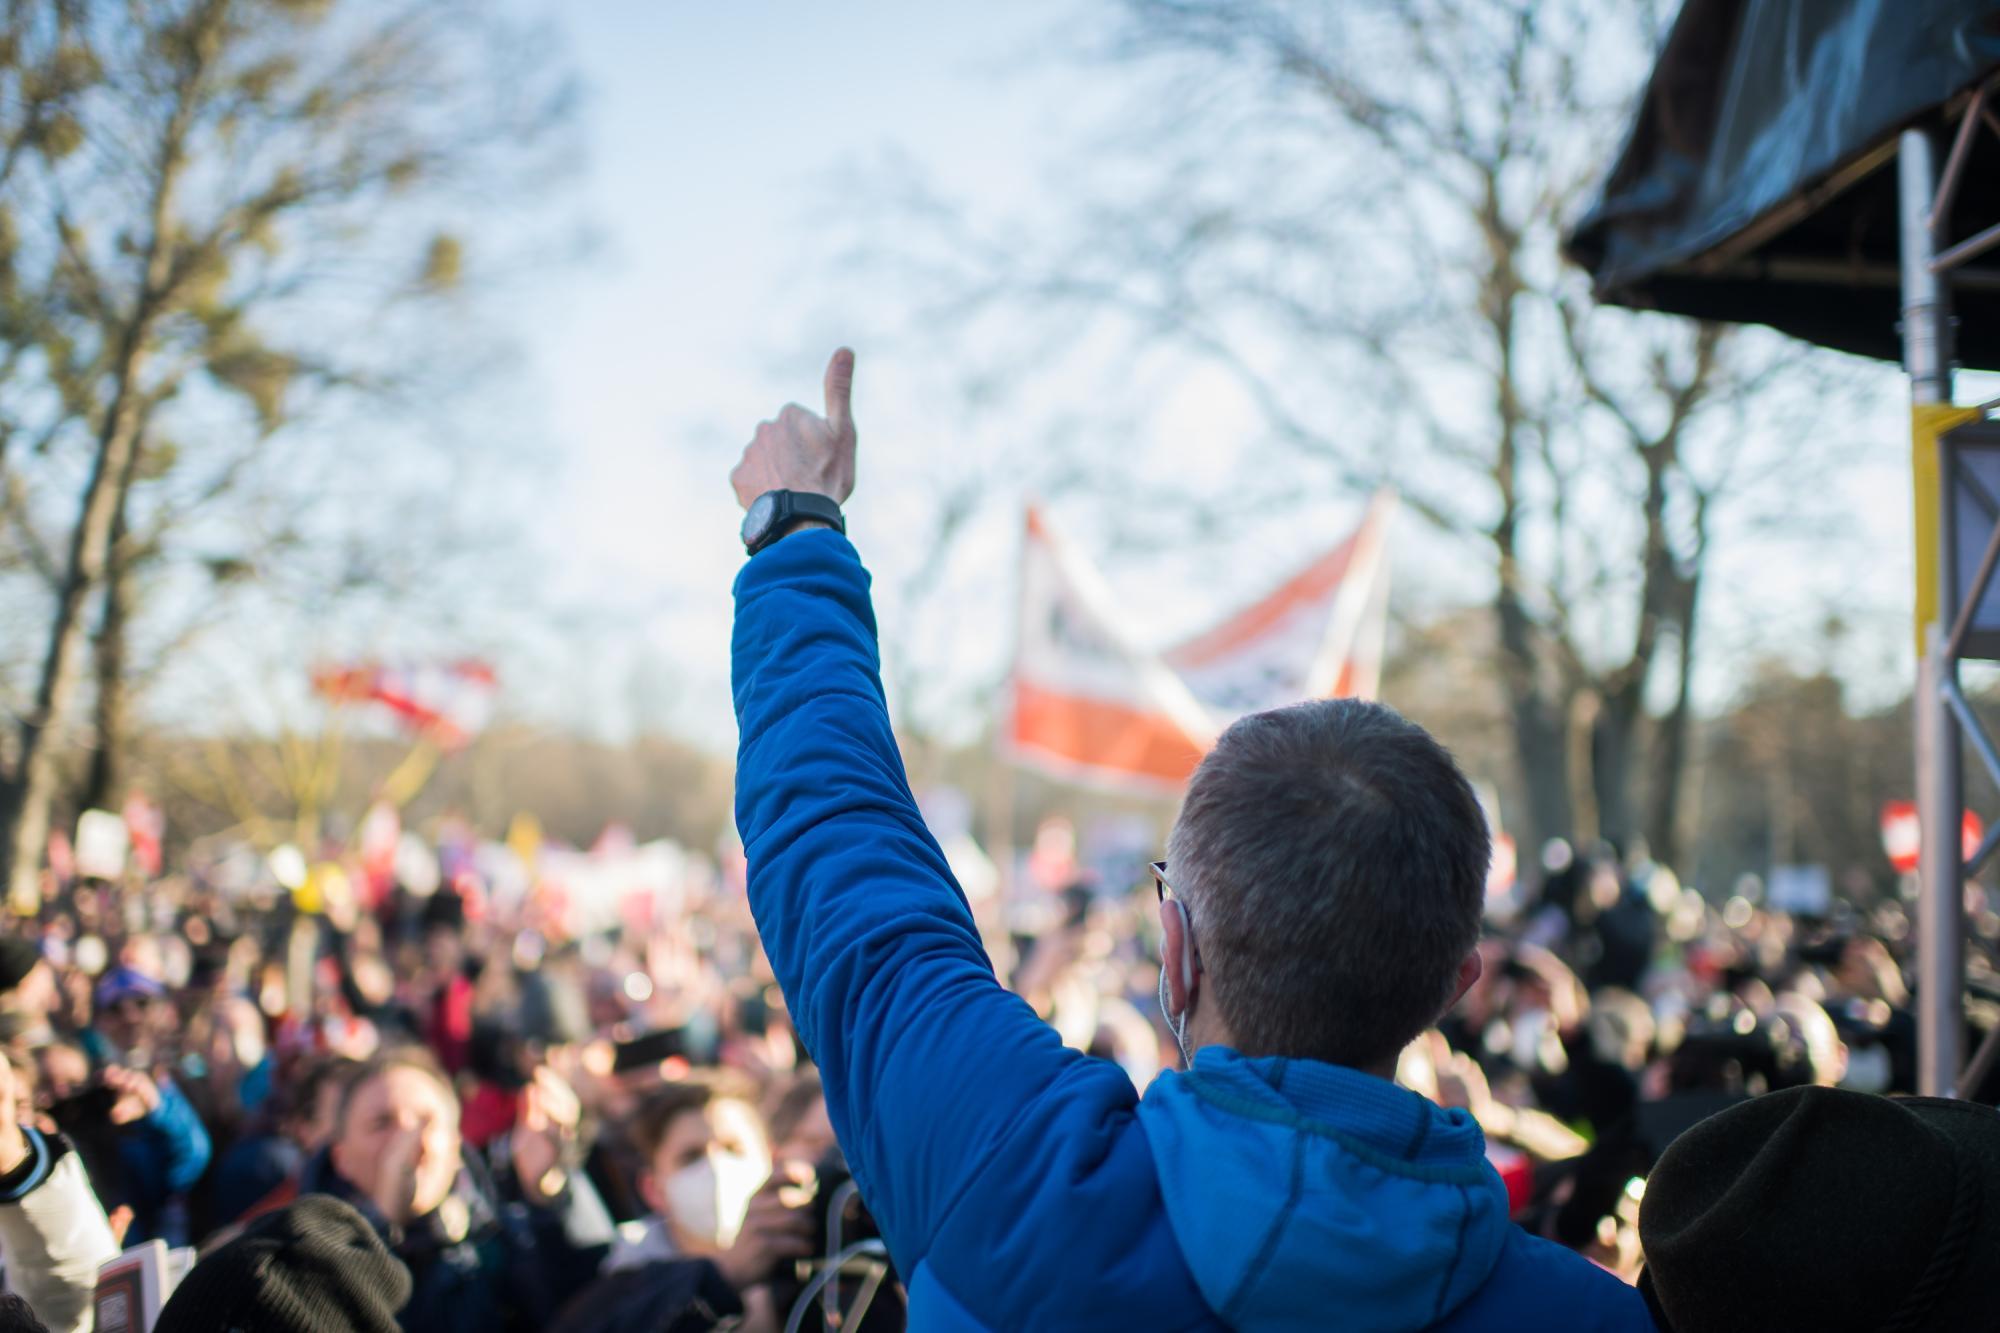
719, 140
716, 135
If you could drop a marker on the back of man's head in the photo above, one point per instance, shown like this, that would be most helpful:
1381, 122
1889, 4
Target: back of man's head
1333, 859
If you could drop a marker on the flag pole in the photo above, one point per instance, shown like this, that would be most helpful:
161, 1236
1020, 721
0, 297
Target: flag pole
1371, 644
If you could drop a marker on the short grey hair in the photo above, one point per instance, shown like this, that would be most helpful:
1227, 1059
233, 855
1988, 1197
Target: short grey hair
1333, 861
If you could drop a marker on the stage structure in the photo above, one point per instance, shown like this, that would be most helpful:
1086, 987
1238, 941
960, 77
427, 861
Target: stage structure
1831, 168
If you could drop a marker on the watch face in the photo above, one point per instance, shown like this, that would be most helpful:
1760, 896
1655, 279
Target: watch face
762, 509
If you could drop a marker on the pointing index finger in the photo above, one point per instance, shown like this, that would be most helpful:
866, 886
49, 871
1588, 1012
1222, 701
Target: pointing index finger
840, 392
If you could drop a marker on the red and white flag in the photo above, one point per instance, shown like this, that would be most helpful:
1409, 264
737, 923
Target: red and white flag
1090, 705
1318, 635
448, 703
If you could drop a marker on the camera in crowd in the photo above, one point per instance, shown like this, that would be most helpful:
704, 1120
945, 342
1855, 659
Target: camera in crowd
848, 1283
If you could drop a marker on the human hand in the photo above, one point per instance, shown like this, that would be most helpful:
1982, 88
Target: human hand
801, 450
1461, 1082
550, 1112
1569, 999
138, 1095
777, 1227
393, 1191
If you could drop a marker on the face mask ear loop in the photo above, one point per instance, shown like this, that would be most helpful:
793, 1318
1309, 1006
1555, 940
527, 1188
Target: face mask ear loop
1179, 1026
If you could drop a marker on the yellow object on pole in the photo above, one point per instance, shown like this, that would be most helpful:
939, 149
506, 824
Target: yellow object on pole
1928, 422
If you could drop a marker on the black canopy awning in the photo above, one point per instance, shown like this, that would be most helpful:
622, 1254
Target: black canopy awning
1758, 182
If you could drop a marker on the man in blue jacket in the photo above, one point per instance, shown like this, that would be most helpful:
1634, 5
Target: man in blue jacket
1320, 902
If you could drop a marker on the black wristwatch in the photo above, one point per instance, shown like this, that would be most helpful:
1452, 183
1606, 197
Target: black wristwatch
775, 513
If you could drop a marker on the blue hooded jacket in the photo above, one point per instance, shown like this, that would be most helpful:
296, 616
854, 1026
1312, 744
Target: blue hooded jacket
1021, 1184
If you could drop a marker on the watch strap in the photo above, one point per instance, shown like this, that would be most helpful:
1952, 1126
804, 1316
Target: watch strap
793, 508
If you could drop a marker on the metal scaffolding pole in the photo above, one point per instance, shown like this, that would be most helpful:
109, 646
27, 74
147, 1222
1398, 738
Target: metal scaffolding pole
1927, 356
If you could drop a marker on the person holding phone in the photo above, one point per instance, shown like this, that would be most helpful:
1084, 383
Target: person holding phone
724, 1226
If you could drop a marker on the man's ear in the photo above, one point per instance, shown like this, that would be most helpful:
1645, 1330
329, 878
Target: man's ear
1469, 972
1174, 956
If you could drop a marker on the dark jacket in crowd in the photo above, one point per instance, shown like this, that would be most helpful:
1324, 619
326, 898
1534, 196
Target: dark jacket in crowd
483, 1263
1022, 1184
246, 1173
1624, 936
670, 1296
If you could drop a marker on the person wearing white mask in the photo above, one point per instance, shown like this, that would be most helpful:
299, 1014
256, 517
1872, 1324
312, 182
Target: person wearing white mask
708, 1162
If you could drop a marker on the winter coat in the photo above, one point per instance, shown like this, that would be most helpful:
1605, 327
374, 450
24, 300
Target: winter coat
664, 1296
1022, 1184
149, 1165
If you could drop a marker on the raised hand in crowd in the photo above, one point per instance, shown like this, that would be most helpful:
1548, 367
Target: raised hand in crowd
778, 1226
550, 1113
399, 1143
138, 1094
800, 450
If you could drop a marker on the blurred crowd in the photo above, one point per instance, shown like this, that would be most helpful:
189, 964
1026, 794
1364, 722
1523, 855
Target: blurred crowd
1618, 1008
593, 1115
552, 1122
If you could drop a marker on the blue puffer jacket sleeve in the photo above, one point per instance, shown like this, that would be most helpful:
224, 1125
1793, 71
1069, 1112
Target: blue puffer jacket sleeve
933, 1071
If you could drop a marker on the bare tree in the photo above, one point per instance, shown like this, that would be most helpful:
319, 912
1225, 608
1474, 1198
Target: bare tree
220, 216
1355, 212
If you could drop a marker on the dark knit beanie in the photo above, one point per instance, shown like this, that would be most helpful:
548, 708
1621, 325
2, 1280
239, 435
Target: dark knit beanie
17, 958
1816, 1208
315, 1266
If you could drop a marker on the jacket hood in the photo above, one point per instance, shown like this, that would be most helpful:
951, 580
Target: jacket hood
1303, 1193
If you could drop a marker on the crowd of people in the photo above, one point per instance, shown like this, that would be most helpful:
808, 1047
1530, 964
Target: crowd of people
541, 1125
1340, 1079
546, 1129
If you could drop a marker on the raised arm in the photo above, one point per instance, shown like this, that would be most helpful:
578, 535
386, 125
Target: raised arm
929, 1064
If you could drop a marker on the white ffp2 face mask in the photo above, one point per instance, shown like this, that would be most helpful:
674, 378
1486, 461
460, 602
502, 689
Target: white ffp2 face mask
710, 1195
692, 1195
